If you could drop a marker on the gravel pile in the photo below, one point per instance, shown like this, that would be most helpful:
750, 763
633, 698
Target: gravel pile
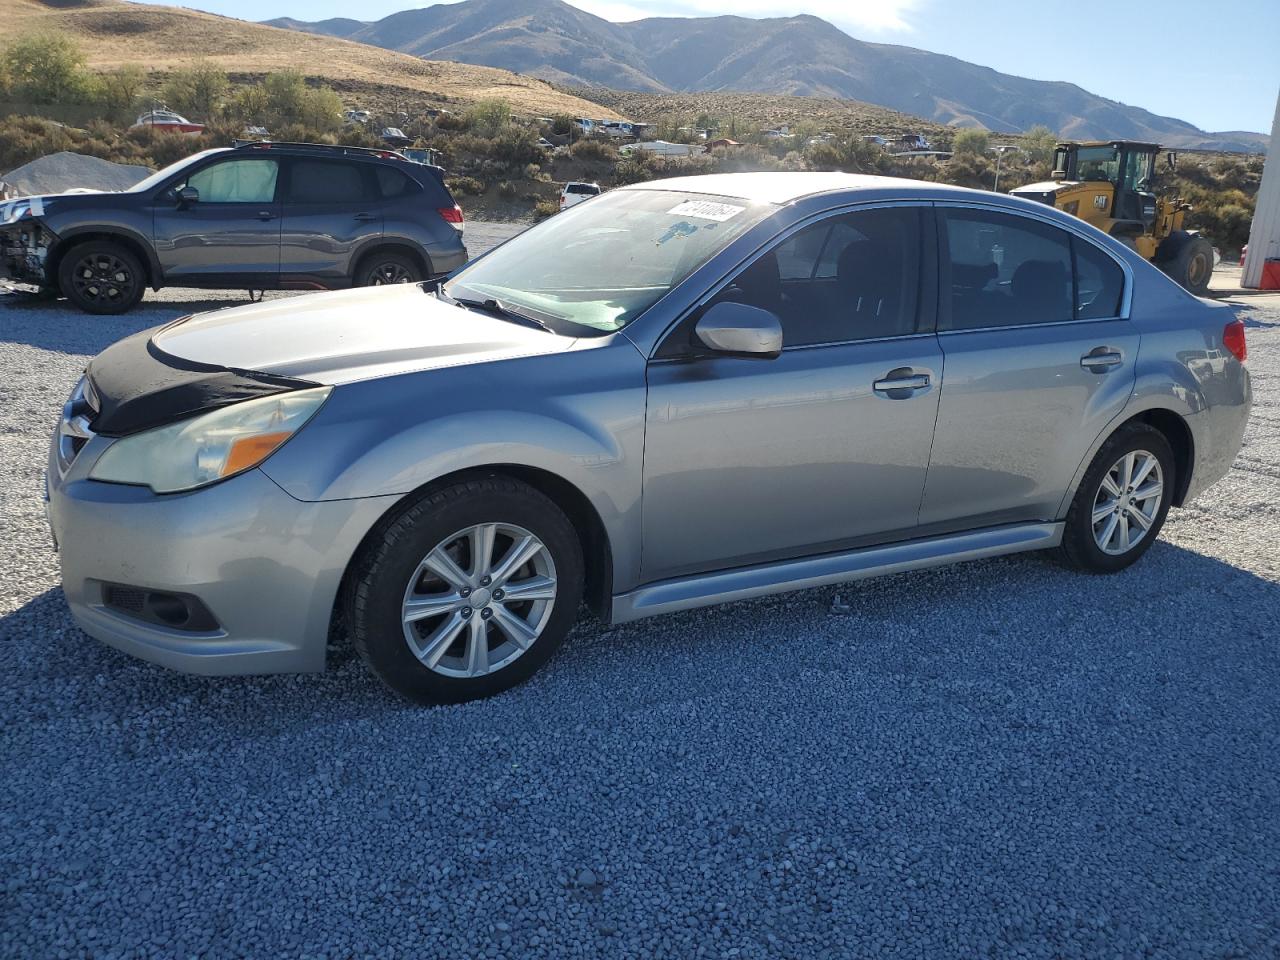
999, 759
63, 171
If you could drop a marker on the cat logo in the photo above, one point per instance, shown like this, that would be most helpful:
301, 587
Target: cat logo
1100, 201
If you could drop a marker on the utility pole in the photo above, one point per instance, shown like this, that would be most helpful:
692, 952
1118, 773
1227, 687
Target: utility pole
1000, 150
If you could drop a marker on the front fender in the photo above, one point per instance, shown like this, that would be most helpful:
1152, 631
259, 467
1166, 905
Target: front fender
577, 415
136, 234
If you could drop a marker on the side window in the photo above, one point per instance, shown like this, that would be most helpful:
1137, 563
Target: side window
1099, 282
393, 183
326, 181
1005, 271
853, 277
237, 181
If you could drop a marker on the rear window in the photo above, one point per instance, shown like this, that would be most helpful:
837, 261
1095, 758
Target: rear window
583, 188
327, 181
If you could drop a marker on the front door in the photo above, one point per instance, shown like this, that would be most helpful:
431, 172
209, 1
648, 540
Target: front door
822, 448
1038, 358
233, 229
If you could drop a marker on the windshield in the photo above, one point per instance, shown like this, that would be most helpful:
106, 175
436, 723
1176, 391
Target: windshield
1098, 163
160, 176
602, 263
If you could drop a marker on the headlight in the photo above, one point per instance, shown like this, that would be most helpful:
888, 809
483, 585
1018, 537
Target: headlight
209, 447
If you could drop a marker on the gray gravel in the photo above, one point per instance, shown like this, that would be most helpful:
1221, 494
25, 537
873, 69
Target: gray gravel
73, 171
999, 759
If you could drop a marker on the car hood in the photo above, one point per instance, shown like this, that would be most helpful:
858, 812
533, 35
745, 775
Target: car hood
335, 338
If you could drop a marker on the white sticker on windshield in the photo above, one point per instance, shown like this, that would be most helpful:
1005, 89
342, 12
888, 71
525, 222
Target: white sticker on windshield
706, 210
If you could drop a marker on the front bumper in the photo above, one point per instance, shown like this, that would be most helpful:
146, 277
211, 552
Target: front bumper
24, 252
266, 566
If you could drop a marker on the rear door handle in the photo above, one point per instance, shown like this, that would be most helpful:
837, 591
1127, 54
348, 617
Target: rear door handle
365, 217
894, 384
266, 215
1100, 359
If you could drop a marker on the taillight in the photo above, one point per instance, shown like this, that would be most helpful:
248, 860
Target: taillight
1233, 339
452, 215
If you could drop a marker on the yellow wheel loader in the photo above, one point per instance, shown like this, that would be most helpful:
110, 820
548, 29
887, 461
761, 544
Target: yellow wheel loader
1111, 185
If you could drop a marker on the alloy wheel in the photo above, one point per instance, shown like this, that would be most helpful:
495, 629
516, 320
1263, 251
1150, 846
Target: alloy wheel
104, 278
390, 272
1127, 502
479, 600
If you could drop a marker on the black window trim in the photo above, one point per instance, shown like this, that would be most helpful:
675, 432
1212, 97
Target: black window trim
926, 303
944, 303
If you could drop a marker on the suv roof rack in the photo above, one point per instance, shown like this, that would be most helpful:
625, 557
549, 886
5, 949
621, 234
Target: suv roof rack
382, 153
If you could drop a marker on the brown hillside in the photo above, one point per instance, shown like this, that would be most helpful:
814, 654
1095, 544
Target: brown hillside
112, 32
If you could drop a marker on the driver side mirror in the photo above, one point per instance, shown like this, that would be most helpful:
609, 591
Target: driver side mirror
739, 330
188, 196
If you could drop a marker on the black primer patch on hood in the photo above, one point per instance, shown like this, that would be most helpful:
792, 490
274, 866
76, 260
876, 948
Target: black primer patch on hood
140, 386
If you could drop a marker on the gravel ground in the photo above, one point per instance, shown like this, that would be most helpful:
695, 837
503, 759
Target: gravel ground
997, 759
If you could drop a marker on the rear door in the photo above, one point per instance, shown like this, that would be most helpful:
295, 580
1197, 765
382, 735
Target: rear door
331, 209
1039, 358
232, 230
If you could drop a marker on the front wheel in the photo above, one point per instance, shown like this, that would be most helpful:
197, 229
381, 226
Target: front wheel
101, 277
1122, 502
468, 592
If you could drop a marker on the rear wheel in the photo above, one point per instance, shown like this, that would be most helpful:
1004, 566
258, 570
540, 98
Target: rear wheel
468, 592
382, 268
1192, 265
101, 277
1122, 502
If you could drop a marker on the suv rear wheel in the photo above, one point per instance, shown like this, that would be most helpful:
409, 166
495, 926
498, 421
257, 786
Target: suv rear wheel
101, 277
382, 268
467, 592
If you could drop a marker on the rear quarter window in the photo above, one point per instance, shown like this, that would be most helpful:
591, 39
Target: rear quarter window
392, 183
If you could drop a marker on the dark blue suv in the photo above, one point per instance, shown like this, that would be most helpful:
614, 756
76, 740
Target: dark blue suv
258, 216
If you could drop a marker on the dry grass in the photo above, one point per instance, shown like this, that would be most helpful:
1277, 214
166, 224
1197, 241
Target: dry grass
112, 33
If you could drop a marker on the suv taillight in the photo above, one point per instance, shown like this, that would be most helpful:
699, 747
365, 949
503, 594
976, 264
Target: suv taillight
452, 215
1233, 340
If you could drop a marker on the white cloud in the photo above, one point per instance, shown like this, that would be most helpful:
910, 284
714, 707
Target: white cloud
859, 17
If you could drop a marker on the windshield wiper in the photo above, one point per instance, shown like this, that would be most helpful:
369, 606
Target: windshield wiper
495, 307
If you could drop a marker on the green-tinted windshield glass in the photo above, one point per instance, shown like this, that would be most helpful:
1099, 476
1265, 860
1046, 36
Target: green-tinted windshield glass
602, 263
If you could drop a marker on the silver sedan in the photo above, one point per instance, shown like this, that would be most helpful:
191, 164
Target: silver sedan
679, 393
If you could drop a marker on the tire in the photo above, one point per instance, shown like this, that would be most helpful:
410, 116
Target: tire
434, 659
1082, 541
1192, 265
384, 268
101, 277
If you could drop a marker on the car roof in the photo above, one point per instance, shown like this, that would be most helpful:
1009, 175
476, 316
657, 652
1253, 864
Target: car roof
782, 188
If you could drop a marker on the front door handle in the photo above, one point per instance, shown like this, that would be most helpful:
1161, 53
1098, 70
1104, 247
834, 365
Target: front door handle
366, 217
1101, 359
266, 215
899, 384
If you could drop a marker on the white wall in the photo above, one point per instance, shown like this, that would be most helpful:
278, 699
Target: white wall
1264, 235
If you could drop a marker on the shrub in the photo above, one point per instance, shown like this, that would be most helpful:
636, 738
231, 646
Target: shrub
593, 150
507, 190
544, 209
971, 142
488, 117
47, 68
198, 90
467, 185
120, 91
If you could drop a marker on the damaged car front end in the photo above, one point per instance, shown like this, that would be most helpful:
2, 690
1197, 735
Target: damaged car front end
25, 242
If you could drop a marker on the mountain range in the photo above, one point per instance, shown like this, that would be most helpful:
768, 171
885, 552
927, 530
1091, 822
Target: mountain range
800, 55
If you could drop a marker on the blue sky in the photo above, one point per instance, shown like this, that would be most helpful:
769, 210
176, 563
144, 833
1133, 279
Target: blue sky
1222, 71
